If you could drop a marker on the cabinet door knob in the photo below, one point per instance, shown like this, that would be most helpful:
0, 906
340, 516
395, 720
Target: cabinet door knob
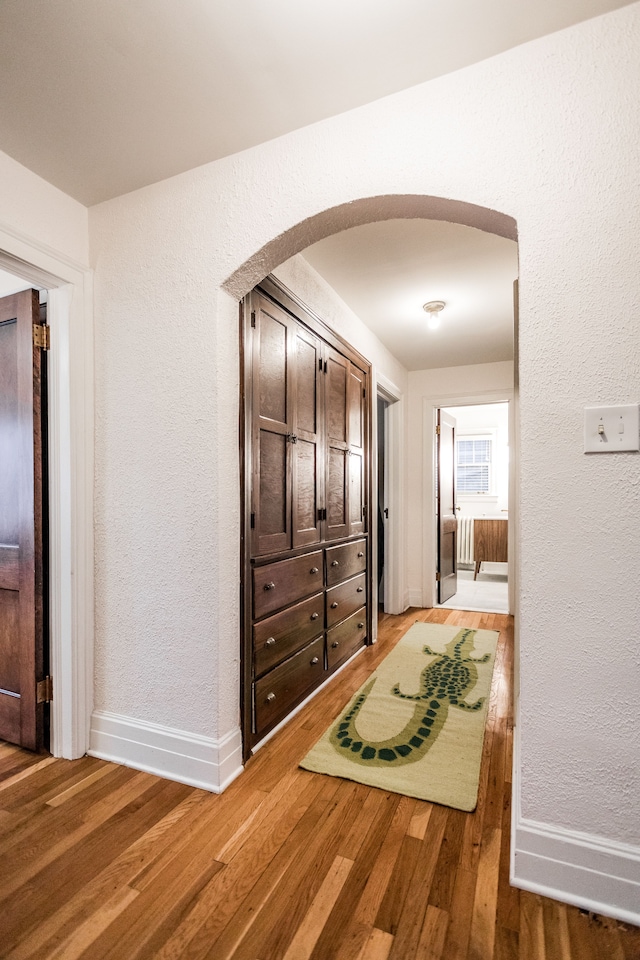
314, 616
270, 642
313, 570
335, 644
360, 625
360, 553
270, 586
314, 661
334, 604
335, 563
359, 589
271, 697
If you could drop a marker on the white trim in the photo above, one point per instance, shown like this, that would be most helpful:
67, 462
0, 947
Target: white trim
167, 752
71, 444
430, 539
394, 423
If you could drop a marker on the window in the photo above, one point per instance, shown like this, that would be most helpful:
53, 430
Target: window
473, 465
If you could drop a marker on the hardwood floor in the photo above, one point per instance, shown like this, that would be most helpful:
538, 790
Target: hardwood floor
99, 861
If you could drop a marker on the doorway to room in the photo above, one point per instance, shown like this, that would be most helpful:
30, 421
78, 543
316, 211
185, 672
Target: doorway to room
472, 504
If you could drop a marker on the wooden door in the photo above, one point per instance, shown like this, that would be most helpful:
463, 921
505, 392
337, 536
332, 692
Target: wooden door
446, 508
307, 465
21, 548
356, 439
336, 400
272, 427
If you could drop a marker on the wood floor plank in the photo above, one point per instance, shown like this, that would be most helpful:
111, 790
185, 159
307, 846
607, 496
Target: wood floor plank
104, 863
430, 944
308, 933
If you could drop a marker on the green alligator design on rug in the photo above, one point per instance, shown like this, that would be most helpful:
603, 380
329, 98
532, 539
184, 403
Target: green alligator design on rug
444, 682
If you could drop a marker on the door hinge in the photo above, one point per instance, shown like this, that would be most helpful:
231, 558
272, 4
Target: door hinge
364, 394
41, 336
437, 578
253, 318
438, 430
325, 366
44, 690
322, 513
253, 521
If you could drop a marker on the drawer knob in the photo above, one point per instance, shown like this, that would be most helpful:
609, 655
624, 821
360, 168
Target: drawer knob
270, 642
313, 570
314, 616
361, 554
335, 644
360, 625
334, 604
335, 563
270, 586
314, 661
359, 589
271, 697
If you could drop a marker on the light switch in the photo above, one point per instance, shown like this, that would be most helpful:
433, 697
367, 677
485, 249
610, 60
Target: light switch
612, 429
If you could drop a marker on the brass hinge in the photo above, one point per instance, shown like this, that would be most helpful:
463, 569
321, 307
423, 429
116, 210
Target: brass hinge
437, 578
253, 318
41, 337
44, 690
438, 430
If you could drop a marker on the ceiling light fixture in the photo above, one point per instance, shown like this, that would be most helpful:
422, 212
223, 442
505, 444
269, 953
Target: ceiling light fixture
433, 308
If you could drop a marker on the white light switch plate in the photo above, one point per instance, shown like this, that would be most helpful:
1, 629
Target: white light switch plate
611, 429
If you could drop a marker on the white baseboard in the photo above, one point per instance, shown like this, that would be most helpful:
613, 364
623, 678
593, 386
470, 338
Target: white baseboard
167, 752
588, 872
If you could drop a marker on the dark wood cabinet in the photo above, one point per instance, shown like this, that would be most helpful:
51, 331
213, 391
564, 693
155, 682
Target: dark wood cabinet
306, 475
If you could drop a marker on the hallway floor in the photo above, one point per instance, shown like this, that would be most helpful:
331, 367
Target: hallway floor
99, 861
488, 594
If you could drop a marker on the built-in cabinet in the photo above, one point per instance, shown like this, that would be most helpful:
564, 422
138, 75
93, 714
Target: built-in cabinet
306, 550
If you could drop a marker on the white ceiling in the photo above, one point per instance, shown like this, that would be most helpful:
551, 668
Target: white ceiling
386, 271
100, 97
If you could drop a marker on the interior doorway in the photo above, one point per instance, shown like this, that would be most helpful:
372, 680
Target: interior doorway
478, 461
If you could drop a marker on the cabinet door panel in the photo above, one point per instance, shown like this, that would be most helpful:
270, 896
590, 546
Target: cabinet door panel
272, 518
336, 524
272, 362
307, 466
356, 438
337, 470
272, 417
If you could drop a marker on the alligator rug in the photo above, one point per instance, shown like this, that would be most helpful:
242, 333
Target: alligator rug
417, 725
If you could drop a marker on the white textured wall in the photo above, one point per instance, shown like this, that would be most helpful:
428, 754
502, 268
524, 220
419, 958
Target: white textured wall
547, 134
41, 212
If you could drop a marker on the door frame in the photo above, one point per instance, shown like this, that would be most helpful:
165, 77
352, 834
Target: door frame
394, 593
429, 539
71, 452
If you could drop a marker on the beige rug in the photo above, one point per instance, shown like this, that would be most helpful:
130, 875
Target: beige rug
416, 726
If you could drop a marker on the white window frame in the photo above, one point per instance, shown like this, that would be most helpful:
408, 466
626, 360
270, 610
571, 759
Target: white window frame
492, 493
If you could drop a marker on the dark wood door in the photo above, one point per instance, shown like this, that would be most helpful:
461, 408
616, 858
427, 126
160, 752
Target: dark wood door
446, 508
356, 438
307, 465
21, 549
336, 398
272, 427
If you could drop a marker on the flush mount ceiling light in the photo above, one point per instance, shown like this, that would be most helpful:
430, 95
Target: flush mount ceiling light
433, 308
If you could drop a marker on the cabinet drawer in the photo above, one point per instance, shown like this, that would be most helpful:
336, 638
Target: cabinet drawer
283, 687
345, 598
278, 584
345, 561
345, 639
277, 637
